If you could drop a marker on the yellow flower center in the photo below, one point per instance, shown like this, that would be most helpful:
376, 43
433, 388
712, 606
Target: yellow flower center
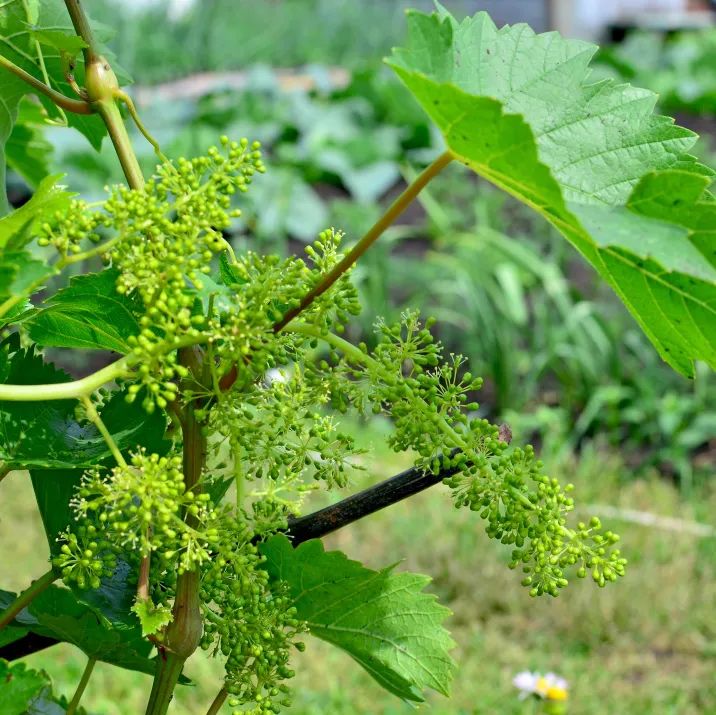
555, 693
551, 692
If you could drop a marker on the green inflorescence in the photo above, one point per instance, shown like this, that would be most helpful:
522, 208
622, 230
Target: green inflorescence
429, 403
283, 443
142, 507
273, 424
85, 556
253, 625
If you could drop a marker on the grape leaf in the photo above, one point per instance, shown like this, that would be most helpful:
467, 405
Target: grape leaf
57, 613
60, 40
27, 151
18, 228
89, 313
20, 686
9, 634
382, 619
20, 272
152, 618
115, 596
518, 108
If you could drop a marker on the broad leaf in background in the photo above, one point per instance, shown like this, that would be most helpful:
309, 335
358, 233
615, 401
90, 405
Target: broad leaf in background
27, 151
19, 686
88, 313
518, 109
287, 206
20, 272
381, 619
40, 30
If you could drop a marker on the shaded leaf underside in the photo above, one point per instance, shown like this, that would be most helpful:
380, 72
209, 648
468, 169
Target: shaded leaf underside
592, 158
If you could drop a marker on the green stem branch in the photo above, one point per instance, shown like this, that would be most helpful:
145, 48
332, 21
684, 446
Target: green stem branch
83, 29
27, 596
75, 390
109, 111
94, 417
74, 703
218, 702
77, 106
384, 222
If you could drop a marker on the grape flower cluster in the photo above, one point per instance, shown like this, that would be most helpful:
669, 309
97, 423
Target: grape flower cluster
274, 420
429, 403
251, 623
141, 506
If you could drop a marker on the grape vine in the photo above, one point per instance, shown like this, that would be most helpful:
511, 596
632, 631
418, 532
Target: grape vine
235, 375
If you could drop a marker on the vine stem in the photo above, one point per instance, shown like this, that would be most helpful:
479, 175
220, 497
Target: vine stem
102, 428
76, 106
83, 29
217, 702
103, 93
74, 703
66, 390
390, 491
169, 667
109, 111
27, 596
183, 634
385, 221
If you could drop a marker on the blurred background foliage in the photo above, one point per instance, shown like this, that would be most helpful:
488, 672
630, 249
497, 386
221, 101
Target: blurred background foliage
564, 363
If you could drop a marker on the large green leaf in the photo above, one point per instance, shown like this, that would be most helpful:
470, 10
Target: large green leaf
33, 38
382, 619
518, 108
89, 313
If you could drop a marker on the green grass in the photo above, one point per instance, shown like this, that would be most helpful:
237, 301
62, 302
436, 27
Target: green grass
644, 645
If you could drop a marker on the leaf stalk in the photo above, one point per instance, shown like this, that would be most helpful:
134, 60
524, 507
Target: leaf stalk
76, 106
75, 390
27, 596
373, 234
87, 673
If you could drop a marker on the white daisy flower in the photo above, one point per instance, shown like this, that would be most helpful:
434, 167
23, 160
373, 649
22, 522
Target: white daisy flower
548, 687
